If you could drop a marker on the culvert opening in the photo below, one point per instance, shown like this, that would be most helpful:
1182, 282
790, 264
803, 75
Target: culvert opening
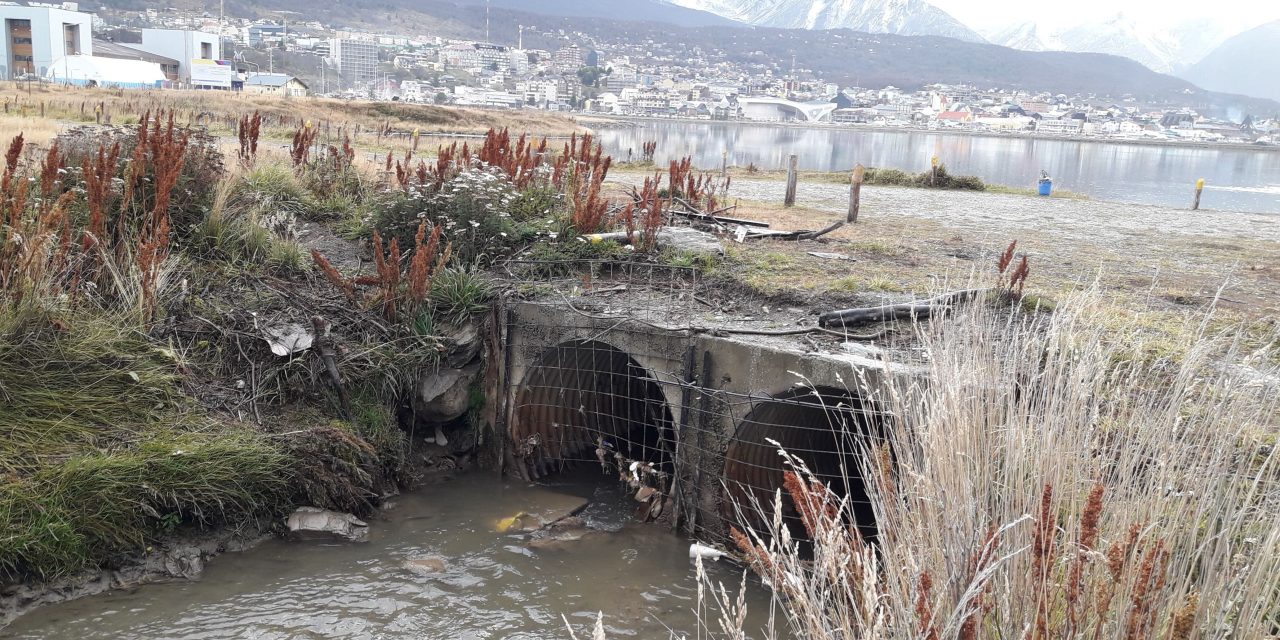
586, 402
825, 427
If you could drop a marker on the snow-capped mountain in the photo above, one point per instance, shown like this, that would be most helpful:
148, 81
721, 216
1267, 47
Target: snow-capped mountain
902, 17
1166, 50
1025, 36
1236, 66
1122, 36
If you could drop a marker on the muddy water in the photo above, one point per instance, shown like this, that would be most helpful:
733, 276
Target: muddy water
494, 585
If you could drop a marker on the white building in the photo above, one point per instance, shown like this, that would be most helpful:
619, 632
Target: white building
36, 36
94, 71
195, 52
1063, 126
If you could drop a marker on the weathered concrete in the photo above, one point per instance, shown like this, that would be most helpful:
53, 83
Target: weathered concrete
709, 382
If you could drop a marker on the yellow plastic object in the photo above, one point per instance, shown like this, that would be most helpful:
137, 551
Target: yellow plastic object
503, 525
1199, 184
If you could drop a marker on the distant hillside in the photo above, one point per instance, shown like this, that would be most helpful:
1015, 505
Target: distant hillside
1246, 63
642, 10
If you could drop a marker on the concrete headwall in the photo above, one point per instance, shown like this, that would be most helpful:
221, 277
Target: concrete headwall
709, 382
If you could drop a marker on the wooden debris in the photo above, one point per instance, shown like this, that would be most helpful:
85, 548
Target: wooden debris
907, 310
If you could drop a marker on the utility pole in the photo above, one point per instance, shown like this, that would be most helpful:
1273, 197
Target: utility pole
486, 21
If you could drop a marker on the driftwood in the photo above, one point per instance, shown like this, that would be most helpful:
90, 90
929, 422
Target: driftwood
791, 235
328, 356
904, 311
696, 214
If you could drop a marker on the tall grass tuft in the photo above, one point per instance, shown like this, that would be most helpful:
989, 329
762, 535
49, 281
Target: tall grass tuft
99, 453
1035, 482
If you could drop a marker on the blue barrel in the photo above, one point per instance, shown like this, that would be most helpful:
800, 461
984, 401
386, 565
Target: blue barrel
1046, 187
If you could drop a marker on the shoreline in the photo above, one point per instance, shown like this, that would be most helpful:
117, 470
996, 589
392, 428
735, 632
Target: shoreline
619, 120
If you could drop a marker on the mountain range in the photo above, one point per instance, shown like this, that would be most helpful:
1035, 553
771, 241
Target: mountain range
1246, 64
1174, 50
900, 17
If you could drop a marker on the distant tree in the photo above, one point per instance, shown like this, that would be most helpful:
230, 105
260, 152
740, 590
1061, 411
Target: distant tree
590, 76
442, 98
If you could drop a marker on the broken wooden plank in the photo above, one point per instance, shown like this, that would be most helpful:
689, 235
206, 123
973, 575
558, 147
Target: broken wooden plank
921, 309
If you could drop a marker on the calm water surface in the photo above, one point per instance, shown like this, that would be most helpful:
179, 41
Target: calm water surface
1236, 179
495, 586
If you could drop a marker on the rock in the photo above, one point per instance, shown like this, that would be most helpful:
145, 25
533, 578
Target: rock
443, 395
314, 522
462, 344
690, 241
425, 565
184, 562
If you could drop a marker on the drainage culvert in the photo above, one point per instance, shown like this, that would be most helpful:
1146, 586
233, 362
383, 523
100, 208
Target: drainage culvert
824, 427
586, 402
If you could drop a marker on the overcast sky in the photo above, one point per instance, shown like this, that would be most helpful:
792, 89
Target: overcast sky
1051, 14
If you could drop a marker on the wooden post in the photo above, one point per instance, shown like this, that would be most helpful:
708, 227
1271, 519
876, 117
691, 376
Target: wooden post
789, 199
933, 170
724, 163
1199, 187
855, 192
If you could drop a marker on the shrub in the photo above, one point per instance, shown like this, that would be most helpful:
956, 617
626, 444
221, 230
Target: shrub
471, 210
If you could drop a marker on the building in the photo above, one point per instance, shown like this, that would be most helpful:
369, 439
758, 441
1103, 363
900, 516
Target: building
37, 36
568, 58
1061, 126
265, 34
106, 49
275, 84
356, 60
195, 52
96, 71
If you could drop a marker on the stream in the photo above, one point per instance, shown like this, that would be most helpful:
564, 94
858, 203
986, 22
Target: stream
494, 585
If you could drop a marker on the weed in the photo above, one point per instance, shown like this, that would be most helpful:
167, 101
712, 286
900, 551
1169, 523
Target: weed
458, 295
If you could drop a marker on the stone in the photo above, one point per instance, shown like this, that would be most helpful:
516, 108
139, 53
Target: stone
425, 565
690, 241
462, 344
315, 522
443, 395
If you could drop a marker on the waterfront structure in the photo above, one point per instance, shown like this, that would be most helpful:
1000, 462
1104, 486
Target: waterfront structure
777, 109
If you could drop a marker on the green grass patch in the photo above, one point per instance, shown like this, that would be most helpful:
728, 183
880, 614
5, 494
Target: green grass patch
101, 453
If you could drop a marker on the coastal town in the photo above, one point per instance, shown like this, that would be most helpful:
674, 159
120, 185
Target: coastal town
552, 70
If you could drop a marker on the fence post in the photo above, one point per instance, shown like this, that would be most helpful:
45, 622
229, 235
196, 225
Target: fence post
1199, 187
724, 163
933, 170
790, 198
855, 192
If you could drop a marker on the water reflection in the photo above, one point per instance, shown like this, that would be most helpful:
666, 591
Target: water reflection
1237, 179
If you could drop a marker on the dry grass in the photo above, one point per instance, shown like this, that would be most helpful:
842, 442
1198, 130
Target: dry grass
222, 110
35, 129
1039, 483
